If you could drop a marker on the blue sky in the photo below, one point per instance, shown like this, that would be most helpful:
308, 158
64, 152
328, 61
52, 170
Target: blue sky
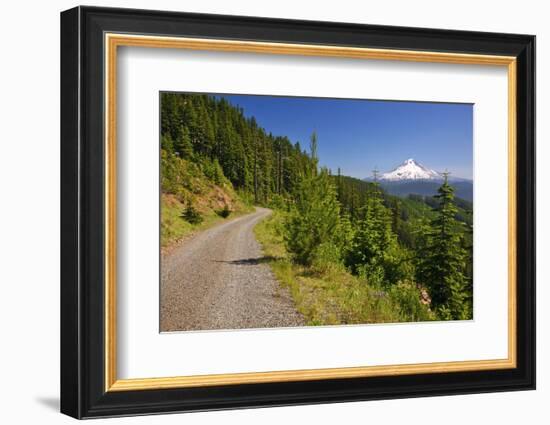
359, 135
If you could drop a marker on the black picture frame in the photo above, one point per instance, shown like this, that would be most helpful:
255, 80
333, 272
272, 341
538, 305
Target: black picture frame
83, 392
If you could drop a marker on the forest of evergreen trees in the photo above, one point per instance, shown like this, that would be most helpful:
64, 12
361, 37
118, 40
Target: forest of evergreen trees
329, 217
208, 129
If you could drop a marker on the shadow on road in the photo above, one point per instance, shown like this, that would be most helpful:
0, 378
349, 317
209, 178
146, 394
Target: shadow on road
249, 261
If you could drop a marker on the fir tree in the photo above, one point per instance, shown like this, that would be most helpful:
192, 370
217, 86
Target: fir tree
313, 154
442, 263
373, 238
204, 128
182, 145
314, 220
166, 143
191, 215
339, 184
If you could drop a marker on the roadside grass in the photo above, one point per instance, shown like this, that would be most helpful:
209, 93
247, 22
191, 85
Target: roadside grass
331, 295
174, 227
200, 185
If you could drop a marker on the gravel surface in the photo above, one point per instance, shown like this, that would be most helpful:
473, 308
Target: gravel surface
218, 279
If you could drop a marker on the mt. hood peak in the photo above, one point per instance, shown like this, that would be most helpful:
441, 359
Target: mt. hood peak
411, 170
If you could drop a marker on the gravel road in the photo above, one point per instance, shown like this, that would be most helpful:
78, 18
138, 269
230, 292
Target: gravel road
218, 279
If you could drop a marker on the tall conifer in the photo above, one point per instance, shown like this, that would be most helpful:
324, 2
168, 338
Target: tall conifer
442, 262
373, 237
314, 220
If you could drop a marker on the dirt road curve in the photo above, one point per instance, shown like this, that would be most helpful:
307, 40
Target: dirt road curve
218, 279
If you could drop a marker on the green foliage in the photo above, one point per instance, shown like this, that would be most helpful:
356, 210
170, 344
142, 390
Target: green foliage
352, 193
213, 170
313, 154
166, 143
375, 252
229, 146
180, 176
246, 198
340, 236
328, 294
172, 227
182, 145
442, 263
191, 215
326, 258
314, 220
224, 212
406, 296
278, 202
374, 235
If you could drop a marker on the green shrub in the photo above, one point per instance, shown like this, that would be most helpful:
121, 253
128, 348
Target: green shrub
179, 175
173, 227
224, 212
397, 265
407, 296
373, 274
247, 198
191, 215
278, 202
326, 258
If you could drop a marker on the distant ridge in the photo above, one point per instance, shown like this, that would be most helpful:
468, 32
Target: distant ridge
410, 170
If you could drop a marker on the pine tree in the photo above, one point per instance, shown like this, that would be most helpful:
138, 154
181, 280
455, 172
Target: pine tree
204, 129
166, 143
396, 216
182, 145
339, 184
467, 244
442, 263
314, 220
374, 238
256, 198
191, 215
313, 153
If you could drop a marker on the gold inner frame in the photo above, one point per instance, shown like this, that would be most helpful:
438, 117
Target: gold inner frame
113, 41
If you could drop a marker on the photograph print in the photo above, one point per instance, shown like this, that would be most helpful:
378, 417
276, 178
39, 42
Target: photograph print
281, 211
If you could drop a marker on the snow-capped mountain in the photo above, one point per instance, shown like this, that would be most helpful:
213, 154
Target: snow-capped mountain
411, 177
411, 170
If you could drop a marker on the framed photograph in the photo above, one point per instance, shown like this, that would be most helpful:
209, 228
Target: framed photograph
261, 212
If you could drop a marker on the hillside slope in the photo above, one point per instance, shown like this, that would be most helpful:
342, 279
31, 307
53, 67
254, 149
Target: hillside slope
194, 186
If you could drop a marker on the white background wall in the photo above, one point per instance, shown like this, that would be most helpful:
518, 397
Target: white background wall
29, 212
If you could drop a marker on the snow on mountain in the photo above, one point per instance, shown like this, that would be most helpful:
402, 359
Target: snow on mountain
411, 170
411, 177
